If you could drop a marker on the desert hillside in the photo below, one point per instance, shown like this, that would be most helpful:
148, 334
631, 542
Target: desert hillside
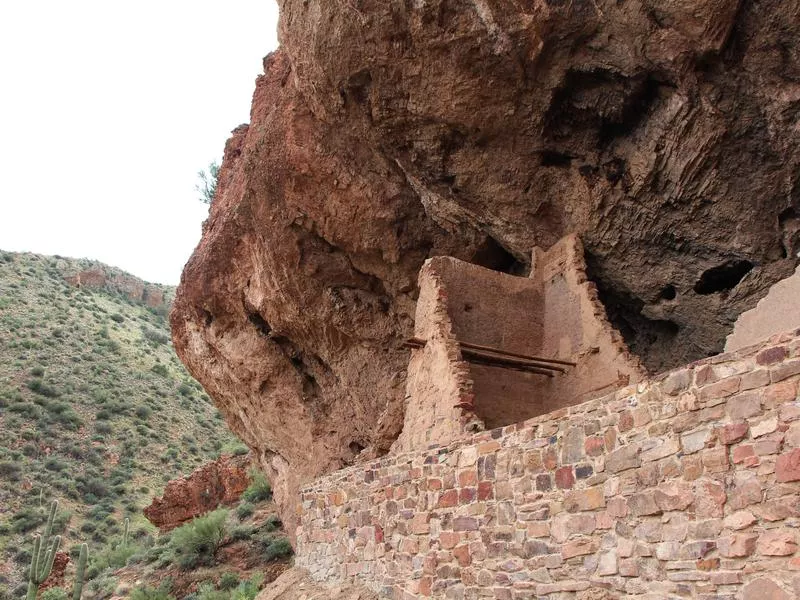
95, 408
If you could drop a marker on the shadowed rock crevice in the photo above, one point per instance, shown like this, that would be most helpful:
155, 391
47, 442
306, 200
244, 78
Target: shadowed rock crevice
723, 278
492, 255
650, 339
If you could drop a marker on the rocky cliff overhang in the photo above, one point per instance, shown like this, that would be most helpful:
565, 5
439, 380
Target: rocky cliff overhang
664, 133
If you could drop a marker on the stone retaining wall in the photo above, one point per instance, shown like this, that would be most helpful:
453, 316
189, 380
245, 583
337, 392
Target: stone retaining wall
685, 486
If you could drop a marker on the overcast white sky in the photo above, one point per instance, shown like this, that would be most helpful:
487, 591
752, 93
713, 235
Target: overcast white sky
107, 111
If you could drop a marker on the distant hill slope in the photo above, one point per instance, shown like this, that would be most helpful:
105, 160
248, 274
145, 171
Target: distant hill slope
95, 408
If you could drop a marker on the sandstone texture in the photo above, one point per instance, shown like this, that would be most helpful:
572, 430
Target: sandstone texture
214, 484
654, 491
664, 134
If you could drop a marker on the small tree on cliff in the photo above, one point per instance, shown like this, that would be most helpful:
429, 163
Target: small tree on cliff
208, 182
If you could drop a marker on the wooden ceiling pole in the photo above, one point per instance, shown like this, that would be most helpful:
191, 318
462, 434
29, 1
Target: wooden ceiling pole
486, 355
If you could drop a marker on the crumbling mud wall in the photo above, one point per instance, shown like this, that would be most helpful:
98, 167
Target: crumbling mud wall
575, 327
778, 311
438, 404
553, 314
682, 486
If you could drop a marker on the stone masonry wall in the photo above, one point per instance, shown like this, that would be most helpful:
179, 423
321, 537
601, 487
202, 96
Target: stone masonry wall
684, 486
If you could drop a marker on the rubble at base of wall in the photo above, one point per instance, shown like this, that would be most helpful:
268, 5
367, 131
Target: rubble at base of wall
684, 486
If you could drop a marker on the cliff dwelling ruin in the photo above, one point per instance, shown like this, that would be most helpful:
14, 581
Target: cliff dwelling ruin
395, 175
492, 349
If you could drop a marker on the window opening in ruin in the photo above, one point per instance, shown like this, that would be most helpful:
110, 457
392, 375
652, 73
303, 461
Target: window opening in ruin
723, 277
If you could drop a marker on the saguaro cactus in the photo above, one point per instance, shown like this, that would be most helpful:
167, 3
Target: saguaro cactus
125, 531
44, 553
77, 586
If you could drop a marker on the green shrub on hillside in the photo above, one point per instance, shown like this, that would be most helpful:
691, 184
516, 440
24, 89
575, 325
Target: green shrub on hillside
244, 510
54, 593
146, 592
27, 519
276, 547
160, 369
241, 532
248, 590
100, 588
259, 488
155, 336
143, 412
196, 543
228, 581
10, 471
40, 387
273, 523
103, 428
230, 588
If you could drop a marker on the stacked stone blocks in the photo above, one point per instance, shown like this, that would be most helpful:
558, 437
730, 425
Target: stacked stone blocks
685, 486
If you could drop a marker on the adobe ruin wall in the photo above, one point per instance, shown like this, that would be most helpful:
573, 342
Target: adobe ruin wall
686, 485
778, 311
554, 313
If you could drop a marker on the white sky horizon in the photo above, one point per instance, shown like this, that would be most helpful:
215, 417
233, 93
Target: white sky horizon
109, 110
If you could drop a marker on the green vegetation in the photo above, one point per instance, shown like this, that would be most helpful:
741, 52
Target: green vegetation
244, 510
230, 588
146, 592
95, 409
207, 188
44, 553
277, 547
196, 543
259, 488
54, 593
80, 572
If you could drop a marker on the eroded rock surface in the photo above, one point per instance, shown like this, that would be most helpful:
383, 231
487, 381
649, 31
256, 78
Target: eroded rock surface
215, 484
664, 133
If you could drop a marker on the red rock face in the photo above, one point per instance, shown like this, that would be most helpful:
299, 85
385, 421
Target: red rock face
664, 133
56, 577
215, 484
132, 287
